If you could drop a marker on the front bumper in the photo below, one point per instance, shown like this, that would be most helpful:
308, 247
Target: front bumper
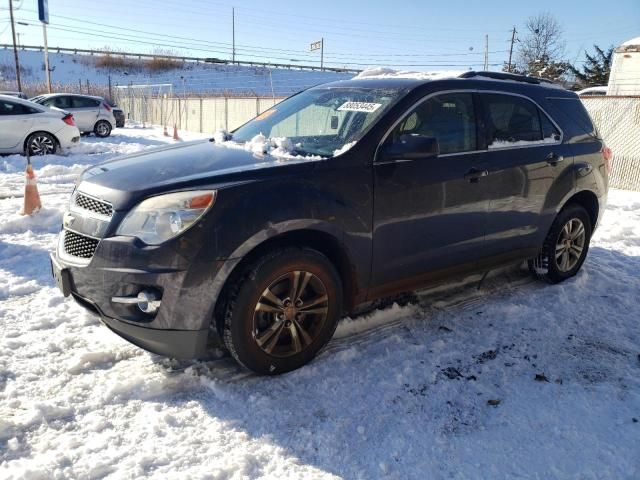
181, 344
122, 267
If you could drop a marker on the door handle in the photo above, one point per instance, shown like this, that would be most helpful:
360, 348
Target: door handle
474, 174
554, 159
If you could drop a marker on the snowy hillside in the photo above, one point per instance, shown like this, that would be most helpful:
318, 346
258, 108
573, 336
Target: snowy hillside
516, 380
191, 77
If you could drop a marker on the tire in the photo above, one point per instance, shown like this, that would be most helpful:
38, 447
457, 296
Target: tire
102, 129
273, 334
41, 143
565, 247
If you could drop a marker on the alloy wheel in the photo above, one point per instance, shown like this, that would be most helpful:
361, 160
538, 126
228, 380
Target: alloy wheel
290, 314
41, 145
102, 129
570, 245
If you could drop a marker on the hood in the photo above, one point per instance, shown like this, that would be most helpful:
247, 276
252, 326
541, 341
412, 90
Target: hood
125, 179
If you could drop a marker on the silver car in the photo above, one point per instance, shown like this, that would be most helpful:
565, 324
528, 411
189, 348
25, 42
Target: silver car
91, 114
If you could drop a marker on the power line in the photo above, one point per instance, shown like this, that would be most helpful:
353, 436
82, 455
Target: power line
255, 48
225, 49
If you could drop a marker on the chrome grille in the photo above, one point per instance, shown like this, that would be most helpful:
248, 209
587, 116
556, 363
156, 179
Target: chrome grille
93, 205
78, 245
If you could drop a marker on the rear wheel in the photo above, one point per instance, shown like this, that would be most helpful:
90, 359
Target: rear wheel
102, 129
41, 143
565, 247
282, 311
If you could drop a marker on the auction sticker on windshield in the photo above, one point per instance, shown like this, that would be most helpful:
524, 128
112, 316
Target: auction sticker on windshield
359, 107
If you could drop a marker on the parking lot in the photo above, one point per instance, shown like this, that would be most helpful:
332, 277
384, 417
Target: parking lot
513, 378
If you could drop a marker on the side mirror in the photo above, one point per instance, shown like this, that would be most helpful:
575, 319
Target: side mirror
410, 147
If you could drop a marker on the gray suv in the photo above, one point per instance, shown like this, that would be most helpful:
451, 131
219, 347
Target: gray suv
91, 114
341, 195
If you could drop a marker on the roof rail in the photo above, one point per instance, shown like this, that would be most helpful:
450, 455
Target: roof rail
507, 76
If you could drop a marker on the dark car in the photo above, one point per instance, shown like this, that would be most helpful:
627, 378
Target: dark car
342, 194
118, 113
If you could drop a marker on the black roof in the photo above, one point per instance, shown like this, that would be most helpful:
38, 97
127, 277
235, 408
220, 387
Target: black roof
508, 81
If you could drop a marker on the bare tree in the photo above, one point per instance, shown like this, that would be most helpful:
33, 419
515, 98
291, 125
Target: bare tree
542, 48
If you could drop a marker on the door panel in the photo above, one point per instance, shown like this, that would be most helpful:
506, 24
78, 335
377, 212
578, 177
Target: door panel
427, 216
85, 112
526, 156
15, 123
430, 214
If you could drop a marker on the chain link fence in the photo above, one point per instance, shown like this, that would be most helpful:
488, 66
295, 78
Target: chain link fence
159, 106
618, 122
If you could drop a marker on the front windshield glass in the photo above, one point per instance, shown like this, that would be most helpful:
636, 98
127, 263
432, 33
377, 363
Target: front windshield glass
320, 121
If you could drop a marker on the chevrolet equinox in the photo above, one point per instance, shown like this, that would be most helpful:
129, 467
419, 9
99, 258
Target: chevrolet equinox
340, 195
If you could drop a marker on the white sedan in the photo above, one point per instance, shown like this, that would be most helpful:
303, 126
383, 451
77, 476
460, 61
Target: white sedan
26, 127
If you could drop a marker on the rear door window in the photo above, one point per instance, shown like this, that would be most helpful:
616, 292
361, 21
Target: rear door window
511, 120
61, 102
84, 102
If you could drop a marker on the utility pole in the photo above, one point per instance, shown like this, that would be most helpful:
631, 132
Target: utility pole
15, 49
513, 40
322, 54
233, 33
486, 52
46, 56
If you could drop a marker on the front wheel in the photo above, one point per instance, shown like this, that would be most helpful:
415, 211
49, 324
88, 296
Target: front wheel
565, 247
41, 143
282, 311
102, 129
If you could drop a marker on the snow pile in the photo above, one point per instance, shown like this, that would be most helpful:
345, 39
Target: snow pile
279, 147
516, 380
384, 72
496, 144
346, 147
634, 42
206, 78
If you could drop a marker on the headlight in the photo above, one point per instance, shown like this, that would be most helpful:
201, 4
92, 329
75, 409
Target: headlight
158, 219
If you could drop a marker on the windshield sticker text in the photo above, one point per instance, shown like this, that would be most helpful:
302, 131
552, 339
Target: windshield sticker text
359, 107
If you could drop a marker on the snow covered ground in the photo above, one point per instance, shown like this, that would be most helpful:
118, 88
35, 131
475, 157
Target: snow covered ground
515, 380
192, 77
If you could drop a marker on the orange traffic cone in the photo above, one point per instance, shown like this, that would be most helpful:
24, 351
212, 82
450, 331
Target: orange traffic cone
175, 132
31, 196
165, 133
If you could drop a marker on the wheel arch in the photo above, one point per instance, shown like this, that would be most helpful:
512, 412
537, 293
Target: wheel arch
322, 241
589, 201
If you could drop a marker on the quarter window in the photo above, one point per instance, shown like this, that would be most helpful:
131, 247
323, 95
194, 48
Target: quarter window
449, 118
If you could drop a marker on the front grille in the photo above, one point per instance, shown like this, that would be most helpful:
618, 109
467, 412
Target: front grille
93, 205
78, 245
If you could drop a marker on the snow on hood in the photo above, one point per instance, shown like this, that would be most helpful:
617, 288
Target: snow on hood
279, 147
384, 72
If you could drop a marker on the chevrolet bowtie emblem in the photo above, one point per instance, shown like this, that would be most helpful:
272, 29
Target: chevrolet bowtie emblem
68, 219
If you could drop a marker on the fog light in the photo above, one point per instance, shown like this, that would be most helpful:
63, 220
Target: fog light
148, 301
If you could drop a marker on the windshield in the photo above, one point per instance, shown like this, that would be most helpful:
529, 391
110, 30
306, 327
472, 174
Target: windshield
321, 121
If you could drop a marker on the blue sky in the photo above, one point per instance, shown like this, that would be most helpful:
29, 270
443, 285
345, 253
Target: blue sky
417, 35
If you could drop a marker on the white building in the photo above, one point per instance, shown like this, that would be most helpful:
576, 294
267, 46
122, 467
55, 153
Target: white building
625, 69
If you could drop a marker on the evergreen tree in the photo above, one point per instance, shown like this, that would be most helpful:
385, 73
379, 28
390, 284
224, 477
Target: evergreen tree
596, 69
